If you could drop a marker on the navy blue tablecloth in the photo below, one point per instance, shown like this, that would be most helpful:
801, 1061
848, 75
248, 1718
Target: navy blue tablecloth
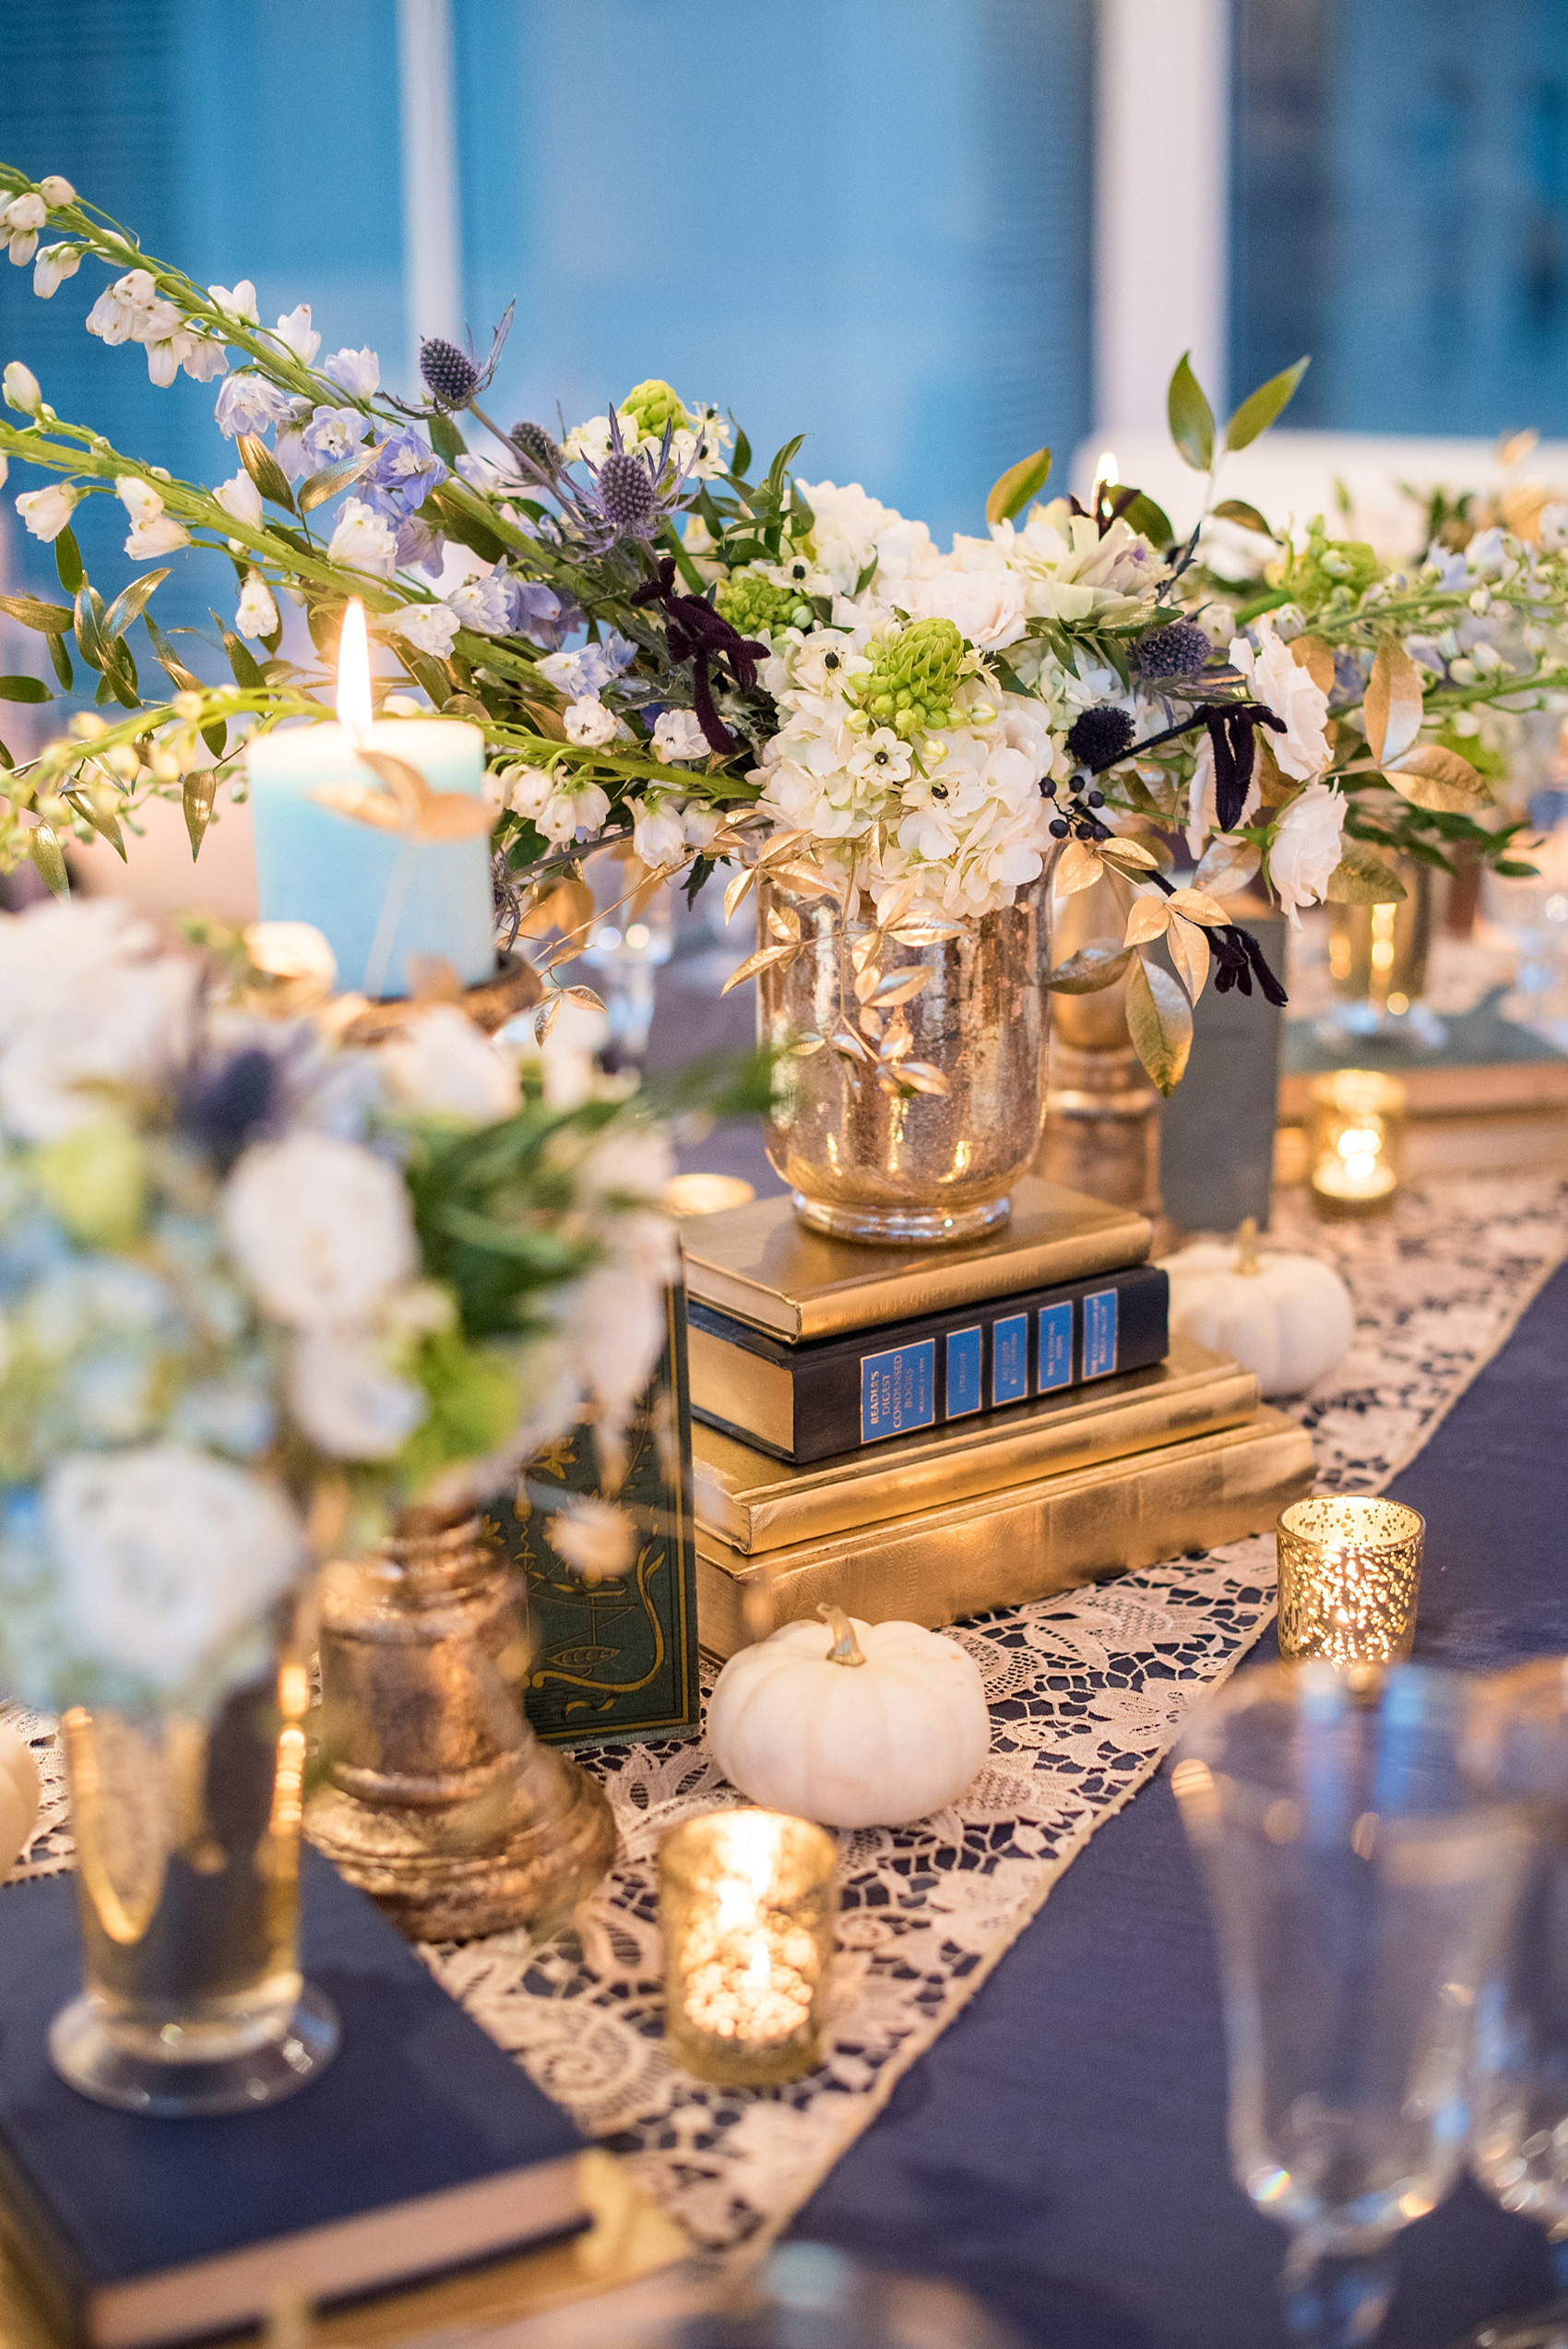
1061, 2150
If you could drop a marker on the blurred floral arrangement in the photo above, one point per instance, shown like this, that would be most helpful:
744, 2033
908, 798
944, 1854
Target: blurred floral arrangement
258, 1289
731, 664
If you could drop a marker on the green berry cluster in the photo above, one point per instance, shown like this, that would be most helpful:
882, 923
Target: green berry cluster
913, 676
655, 405
753, 603
1325, 567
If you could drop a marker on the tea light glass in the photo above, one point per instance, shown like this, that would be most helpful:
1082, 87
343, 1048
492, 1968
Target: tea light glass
1357, 1140
746, 1900
707, 1194
1349, 1572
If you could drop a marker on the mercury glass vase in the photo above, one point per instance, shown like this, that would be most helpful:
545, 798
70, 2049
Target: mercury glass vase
865, 1158
187, 1874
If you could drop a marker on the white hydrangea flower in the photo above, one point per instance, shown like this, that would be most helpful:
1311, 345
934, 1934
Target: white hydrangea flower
321, 1229
363, 538
138, 1536
256, 615
443, 1066
86, 999
983, 598
589, 724
347, 1399
572, 811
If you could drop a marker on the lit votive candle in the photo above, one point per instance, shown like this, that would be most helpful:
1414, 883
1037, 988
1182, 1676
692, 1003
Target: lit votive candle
746, 1900
707, 1194
1358, 1135
384, 900
1349, 1573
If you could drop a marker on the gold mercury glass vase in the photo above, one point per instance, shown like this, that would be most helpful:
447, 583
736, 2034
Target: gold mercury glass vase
188, 1878
865, 1159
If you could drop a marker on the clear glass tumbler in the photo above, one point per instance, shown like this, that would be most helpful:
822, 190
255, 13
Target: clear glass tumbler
1360, 1886
1518, 1750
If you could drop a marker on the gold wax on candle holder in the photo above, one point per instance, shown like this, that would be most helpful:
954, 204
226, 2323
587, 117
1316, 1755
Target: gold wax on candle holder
1358, 1137
746, 1900
1349, 1572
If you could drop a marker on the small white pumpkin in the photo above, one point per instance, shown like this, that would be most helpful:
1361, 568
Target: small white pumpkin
862, 1724
20, 1793
1288, 1319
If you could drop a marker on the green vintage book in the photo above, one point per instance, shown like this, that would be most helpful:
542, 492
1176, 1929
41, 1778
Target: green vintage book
617, 1658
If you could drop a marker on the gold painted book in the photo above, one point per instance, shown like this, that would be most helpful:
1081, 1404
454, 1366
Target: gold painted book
760, 1264
937, 1565
615, 1658
754, 1503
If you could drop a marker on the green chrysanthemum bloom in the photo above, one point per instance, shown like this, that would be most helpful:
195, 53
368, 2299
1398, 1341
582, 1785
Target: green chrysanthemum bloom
756, 606
913, 676
655, 405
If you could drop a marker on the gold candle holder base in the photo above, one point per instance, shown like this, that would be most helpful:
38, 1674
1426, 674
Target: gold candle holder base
439, 1801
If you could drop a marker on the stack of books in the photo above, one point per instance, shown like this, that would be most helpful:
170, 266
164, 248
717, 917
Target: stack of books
928, 1434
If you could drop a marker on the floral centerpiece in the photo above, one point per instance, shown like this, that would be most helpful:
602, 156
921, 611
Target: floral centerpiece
728, 663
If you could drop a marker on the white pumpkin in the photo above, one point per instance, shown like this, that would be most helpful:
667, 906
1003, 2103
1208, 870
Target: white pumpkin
19, 1794
1288, 1319
860, 1724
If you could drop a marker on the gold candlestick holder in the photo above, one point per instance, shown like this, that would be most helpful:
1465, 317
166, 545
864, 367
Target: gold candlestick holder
1349, 1574
746, 1900
439, 1801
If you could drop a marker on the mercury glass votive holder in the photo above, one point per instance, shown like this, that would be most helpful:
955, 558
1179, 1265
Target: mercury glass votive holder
1349, 1572
1357, 1142
746, 1900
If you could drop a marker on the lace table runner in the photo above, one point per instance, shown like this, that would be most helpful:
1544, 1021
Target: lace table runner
1088, 1691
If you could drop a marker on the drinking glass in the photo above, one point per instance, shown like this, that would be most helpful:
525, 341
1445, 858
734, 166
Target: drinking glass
1518, 1750
1359, 1885
628, 942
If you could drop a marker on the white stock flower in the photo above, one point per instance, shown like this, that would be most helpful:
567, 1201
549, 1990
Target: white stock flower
429, 628
47, 512
236, 302
347, 1398
296, 334
256, 615
85, 1000
363, 539
55, 263
1306, 848
356, 372
658, 834
677, 734
588, 723
443, 1066
1302, 751
167, 1556
596, 1538
21, 389
321, 1228
241, 500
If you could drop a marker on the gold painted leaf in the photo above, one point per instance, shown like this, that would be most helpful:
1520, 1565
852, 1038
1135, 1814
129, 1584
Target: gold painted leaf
780, 846
198, 793
929, 930
1433, 777
1099, 964
783, 922
765, 959
1198, 906
900, 986
1274, 790
867, 977
923, 1077
805, 879
105, 822
1160, 1020
1313, 654
1226, 867
44, 847
550, 1010
1188, 949
869, 1021
844, 1040
1078, 867
1391, 710
363, 804
896, 904
804, 1046
736, 889
1361, 878
1146, 921
1130, 852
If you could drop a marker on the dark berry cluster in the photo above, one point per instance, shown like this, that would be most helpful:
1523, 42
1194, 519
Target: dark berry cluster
451, 377
1099, 737
1179, 650
1077, 813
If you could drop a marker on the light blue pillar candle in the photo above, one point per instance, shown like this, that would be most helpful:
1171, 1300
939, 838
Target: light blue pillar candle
380, 898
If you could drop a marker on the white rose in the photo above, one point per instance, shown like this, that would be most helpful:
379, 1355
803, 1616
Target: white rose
321, 1228
986, 606
1306, 848
589, 724
1302, 751
166, 1556
347, 1400
444, 1066
678, 734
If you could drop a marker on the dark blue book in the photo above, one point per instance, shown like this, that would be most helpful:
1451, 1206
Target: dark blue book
814, 1398
422, 2147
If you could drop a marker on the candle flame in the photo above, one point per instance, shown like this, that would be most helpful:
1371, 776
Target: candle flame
1107, 472
354, 706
